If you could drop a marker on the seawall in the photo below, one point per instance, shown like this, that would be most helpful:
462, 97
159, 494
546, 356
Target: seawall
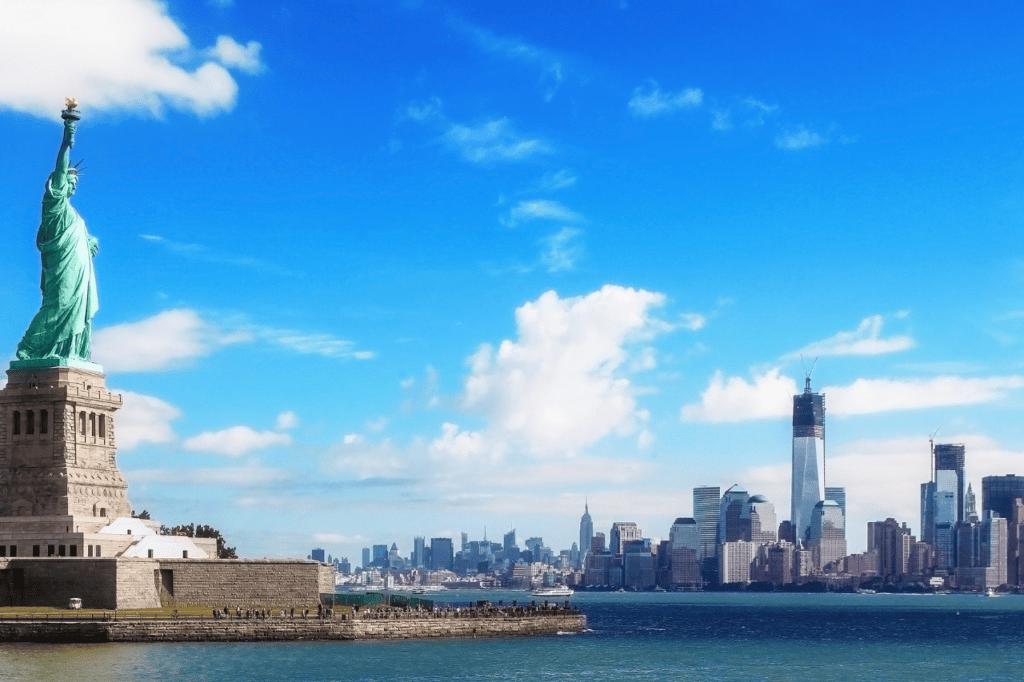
376, 626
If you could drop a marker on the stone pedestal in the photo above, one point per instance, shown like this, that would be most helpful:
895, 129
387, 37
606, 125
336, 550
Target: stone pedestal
57, 445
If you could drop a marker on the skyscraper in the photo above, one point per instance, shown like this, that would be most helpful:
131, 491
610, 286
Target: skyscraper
730, 510
418, 545
442, 554
705, 513
837, 494
808, 458
999, 492
828, 535
586, 532
622, 532
951, 457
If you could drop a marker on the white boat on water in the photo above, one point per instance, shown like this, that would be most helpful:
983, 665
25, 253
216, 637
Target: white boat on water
559, 591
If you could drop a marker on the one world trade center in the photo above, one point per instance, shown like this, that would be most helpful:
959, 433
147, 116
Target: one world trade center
808, 458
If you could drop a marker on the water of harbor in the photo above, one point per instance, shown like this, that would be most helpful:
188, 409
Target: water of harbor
646, 636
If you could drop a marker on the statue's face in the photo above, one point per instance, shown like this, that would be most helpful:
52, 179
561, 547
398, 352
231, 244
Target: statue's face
72, 183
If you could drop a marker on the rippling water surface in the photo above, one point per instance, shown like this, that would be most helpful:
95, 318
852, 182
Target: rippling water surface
633, 637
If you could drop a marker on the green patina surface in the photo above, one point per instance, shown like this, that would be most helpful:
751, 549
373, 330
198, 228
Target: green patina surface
62, 327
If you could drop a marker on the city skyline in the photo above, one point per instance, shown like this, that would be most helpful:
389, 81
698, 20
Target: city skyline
404, 269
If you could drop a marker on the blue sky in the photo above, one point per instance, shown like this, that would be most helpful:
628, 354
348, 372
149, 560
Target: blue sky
371, 270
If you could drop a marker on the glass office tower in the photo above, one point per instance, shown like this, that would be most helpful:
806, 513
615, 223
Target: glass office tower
808, 459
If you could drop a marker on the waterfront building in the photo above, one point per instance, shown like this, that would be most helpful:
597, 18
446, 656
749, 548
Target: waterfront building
442, 555
864, 564
828, 536
808, 458
621, 532
730, 511
318, 554
684, 548
786, 531
344, 566
777, 559
891, 542
981, 553
952, 457
380, 556
734, 561
705, 513
586, 531
366, 558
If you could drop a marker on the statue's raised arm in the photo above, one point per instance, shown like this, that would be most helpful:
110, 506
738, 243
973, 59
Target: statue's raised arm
62, 328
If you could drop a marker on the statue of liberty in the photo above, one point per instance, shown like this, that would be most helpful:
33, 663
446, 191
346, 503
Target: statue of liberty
61, 328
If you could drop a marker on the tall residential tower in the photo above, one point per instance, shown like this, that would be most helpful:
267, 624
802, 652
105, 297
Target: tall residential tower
808, 459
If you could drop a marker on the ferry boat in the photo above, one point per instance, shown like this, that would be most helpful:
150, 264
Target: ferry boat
557, 591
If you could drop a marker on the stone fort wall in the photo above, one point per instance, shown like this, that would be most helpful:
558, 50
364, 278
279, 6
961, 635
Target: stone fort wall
151, 583
411, 626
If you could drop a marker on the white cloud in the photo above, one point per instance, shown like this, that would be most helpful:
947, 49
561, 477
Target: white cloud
735, 399
653, 102
801, 138
232, 54
866, 396
694, 321
542, 209
169, 339
494, 140
174, 338
559, 387
865, 340
770, 396
144, 419
286, 420
339, 539
113, 55
562, 250
235, 441
355, 456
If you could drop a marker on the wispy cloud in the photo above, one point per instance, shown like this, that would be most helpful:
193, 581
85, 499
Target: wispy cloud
494, 140
552, 66
542, 209
866, 339
650, 102
557, 180
132, 60
799, 138
562, 249
205, 254
175, 338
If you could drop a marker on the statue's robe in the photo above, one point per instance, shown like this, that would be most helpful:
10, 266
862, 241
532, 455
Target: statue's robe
61, 328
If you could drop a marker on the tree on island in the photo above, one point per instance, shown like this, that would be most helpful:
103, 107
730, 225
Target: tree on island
194, 531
